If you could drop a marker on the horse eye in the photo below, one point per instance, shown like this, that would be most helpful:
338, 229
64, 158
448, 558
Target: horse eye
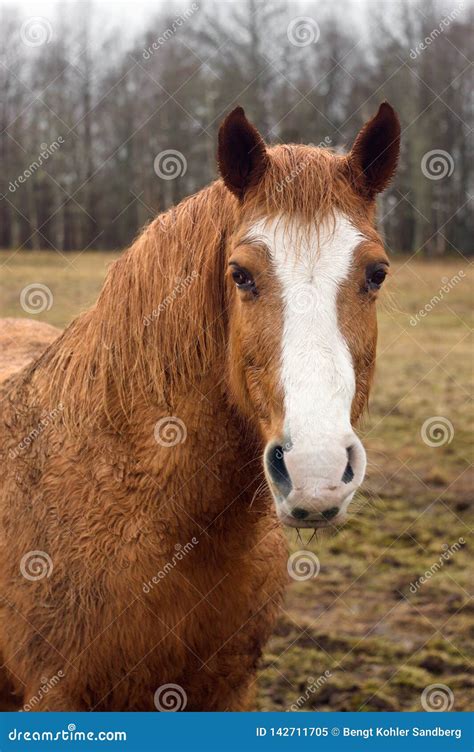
375, 275
243, 279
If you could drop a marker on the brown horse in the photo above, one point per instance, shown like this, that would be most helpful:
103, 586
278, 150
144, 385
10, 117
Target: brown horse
142, 559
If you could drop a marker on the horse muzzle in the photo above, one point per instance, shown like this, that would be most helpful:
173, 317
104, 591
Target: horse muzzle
314, 489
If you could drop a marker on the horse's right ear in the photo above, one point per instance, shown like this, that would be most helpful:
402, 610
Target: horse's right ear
241, 153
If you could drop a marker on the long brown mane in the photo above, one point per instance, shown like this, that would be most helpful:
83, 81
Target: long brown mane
160, 319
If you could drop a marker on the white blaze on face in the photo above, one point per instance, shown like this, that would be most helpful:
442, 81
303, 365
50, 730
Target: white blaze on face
317, 371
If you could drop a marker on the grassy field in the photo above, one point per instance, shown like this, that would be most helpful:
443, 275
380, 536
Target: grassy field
380, 635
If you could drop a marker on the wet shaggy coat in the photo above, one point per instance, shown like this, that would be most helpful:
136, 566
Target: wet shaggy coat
112, 512
109, 506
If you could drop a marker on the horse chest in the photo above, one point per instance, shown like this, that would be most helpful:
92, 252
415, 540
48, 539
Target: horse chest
212, 612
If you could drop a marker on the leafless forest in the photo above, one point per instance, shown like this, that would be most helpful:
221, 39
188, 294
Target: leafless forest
100, 129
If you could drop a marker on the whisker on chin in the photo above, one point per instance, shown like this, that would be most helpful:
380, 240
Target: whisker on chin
314, 534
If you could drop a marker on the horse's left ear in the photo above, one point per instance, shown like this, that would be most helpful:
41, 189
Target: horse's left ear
241, 153
374, 156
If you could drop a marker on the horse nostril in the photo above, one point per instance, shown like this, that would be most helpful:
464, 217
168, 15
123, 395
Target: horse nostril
299, 514
328, 514
276, 467
348, 474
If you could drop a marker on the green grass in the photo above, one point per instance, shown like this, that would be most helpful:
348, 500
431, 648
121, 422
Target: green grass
358, 619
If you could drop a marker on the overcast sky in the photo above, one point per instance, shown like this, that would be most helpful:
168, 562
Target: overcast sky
132, 16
